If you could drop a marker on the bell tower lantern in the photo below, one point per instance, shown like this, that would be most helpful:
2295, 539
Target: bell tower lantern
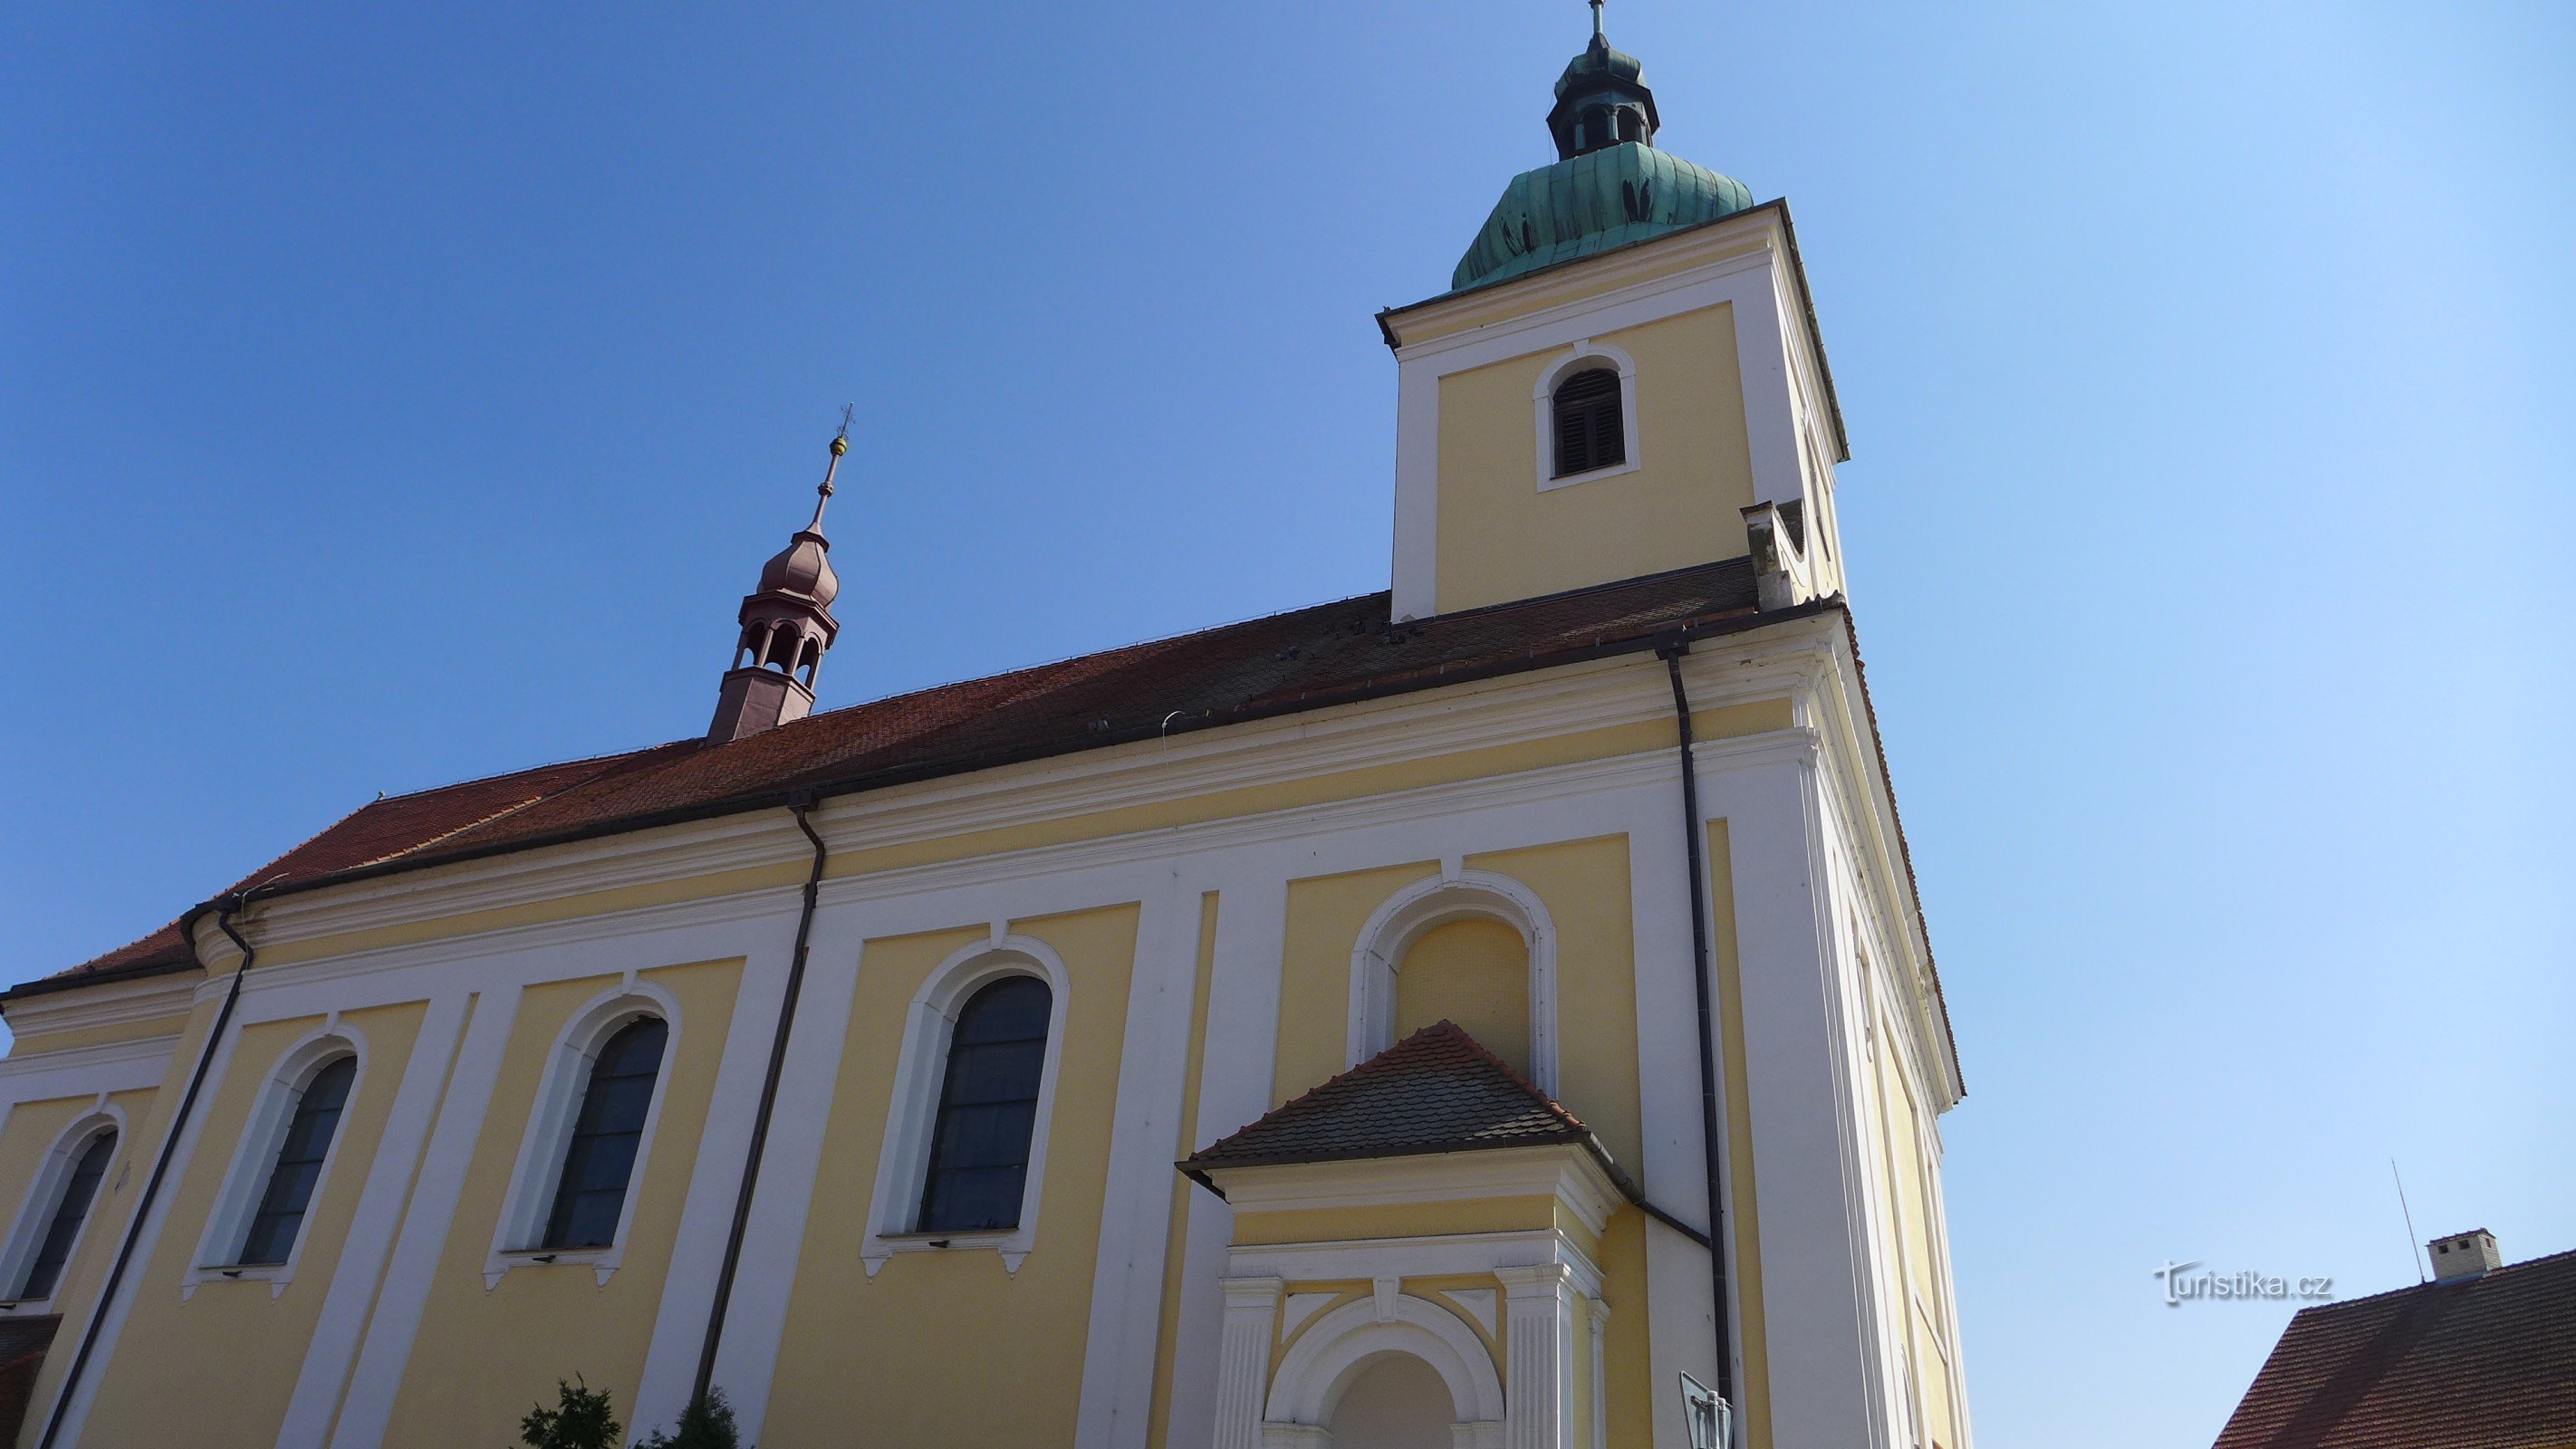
1623, 378
787, 625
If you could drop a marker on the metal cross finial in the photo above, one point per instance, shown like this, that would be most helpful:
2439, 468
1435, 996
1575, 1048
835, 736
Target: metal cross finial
1596, 20
840, 445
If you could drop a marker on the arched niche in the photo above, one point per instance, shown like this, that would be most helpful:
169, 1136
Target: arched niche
1344, 1345
1419, 911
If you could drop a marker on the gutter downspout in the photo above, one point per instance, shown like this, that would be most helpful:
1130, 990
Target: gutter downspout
224, 911
1712, 1133
768, 1105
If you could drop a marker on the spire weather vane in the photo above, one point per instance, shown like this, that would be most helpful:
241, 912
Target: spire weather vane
840, 445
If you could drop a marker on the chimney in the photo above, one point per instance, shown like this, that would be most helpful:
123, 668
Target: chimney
2463, 1255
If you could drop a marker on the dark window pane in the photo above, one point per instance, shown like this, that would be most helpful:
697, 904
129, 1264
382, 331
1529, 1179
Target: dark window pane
291, 1178
69, 1211
988, 1106
605, 1137
1590, 430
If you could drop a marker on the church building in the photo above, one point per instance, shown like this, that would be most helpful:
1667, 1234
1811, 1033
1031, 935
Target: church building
1492, 1013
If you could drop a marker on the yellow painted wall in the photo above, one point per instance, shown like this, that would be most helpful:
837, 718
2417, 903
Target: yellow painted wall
225, 1360
1584, 884
946, 1347
1627, 1363
32, 1132
113, 1213
1909, 1197
1325, 916
483, 1358
1501, 538
1474, 973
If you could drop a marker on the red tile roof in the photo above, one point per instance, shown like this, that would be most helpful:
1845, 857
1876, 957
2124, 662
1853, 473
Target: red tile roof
1435, 1091
2475, 1363
1304, 659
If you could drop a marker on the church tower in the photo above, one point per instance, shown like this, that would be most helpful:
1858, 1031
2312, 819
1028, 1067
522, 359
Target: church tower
787, 624
1664, 404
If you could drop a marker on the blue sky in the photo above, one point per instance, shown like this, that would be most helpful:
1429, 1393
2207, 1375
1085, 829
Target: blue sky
391, 398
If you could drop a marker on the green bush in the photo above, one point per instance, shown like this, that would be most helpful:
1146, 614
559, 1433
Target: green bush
705, 1424
580, 1419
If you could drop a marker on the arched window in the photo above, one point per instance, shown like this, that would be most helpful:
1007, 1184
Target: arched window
988, 1102
70, 1209
315, 1120
590, 1195
1589, 430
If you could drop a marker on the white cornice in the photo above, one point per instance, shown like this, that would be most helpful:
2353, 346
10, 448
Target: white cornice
1563, 1170
1514, 710
108, 1057
112, 1003
1598, 283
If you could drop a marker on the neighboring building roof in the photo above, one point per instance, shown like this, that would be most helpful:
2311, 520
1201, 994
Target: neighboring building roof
1593, 203
2471, 1363
23, 1342
1301, 660
1435, 1091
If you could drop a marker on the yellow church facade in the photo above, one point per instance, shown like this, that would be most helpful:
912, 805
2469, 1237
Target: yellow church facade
1491, 1012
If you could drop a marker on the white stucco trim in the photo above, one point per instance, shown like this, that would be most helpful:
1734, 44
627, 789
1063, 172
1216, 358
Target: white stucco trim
1542, 407
517, 1237
117, 1066
904, 1163
45, 1196
256, 1154
1326, 1357
1413, 912
384, 1354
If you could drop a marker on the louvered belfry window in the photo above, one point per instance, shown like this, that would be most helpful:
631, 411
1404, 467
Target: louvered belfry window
988, 1106
1590, 432
307, 1145
591, 1194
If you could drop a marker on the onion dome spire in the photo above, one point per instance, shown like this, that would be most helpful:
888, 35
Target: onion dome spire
1609, 187
787, 625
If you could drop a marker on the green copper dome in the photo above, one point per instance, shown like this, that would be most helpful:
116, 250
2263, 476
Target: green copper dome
1609, 186
1592, 203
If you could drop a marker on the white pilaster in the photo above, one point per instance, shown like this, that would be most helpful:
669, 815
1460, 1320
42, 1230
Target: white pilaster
1243, 1359
1538, 1337
334, 1345
385, 1352
1600, 1328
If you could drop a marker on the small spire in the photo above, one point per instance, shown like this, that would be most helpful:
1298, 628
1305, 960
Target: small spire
840, 445
1597, 34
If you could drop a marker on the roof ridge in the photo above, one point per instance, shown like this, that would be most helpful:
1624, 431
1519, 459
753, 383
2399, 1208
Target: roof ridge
1443, 1034
2464, 1281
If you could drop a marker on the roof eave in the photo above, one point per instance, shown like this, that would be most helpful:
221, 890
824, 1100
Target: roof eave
784, 797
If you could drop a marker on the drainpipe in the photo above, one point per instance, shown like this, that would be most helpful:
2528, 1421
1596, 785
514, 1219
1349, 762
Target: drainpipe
224, 911
1712, 1132
768, 1105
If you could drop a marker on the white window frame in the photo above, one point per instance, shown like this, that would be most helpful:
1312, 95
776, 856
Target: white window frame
903, 1165
1416, 911
256, 1156
518, 1233
1586, 355
45, 1197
